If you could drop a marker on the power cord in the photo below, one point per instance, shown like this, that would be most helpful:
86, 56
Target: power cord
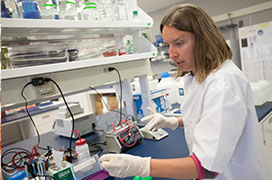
99, 94
40, 81
121, 89
71, 114
34, 83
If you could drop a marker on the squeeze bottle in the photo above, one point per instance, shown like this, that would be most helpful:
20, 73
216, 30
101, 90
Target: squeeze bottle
82, 148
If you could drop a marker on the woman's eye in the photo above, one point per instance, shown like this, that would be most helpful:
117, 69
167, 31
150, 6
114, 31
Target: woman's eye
179, 43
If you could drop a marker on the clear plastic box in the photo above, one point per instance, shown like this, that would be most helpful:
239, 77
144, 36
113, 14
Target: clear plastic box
37, 54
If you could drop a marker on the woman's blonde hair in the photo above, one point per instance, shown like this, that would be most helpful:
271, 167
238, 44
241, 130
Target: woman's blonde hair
211, 48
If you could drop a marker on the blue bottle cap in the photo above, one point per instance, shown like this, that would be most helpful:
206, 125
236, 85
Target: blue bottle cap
165, 75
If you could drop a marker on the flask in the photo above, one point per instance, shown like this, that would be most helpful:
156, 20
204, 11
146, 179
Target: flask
68, 9
48, 9
82, 148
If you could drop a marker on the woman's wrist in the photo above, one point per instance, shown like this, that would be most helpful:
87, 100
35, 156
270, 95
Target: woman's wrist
180, 121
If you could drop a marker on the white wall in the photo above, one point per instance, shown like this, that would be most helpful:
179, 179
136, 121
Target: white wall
218, 7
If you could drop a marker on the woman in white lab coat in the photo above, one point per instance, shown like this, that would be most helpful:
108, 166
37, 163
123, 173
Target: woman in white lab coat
218, 113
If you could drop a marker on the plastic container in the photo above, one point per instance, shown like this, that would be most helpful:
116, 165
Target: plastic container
90, 10
37, 54
68, 9
48, 9
169, 84
82, 148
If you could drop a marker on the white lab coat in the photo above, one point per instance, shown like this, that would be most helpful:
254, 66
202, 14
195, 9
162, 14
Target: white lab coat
221, 125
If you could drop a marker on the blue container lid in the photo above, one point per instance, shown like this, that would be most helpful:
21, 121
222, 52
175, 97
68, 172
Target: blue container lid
165, 75
18, 175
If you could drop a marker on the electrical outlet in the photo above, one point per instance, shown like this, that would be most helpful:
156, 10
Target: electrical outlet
105, 69
45, 90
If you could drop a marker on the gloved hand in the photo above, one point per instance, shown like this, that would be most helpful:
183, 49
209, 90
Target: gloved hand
157, 120
125, 165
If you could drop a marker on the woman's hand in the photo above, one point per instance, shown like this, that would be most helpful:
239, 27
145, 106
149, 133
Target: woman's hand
125, 165
157, 120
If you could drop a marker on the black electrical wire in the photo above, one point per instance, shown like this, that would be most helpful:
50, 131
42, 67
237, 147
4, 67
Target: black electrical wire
121, 91
26, 104
73, 120
99, 94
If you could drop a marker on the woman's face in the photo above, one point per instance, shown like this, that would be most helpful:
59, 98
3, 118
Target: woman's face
181, 47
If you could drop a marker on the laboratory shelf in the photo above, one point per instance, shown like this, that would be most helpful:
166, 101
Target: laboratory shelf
74, 76
13, 27
67, 66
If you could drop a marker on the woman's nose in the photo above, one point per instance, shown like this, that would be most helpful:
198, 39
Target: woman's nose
172, 53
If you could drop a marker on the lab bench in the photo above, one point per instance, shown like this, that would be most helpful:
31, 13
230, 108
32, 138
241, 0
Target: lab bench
172, 146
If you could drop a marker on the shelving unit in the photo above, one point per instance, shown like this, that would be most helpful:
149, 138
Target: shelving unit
75, 75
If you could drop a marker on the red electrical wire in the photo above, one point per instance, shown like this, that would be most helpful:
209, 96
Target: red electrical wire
130, 125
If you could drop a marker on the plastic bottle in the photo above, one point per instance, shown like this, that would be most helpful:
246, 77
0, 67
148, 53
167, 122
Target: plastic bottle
9, 8
29, 9
121, 10
82, 148
129, 47
68, 9
48, 9
180, 90
135, 15
90, 10
169, 84
4, 11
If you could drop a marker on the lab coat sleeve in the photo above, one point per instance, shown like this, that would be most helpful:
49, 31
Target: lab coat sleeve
220, 127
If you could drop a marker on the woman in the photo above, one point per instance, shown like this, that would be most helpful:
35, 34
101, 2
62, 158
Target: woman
219, 116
